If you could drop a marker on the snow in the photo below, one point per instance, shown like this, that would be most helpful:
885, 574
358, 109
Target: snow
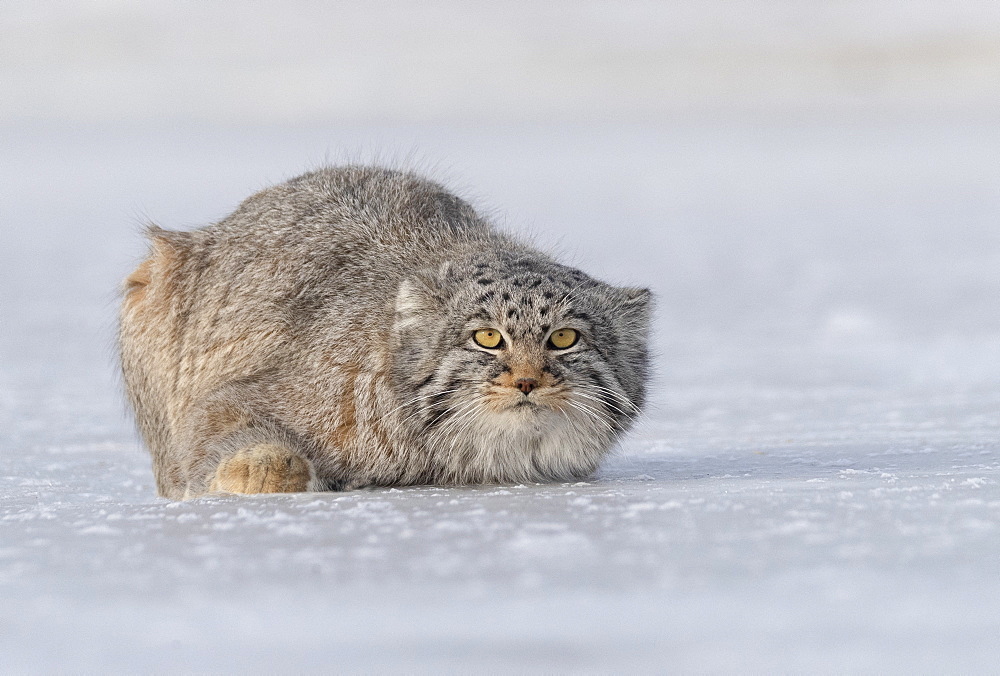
815, 486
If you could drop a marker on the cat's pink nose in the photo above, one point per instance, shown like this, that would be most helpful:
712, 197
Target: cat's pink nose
526, 385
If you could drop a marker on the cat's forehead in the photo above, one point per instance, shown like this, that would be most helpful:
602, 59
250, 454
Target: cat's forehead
528, 297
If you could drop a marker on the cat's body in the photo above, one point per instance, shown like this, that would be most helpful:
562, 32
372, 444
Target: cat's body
328, 335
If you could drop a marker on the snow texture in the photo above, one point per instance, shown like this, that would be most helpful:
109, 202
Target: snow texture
815, 487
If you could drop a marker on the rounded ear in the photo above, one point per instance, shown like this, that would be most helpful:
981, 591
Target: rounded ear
635, 306
420, 312
636, 299
420, 296
636, 296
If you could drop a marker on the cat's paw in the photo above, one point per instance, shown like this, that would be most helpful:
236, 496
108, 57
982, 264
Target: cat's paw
266, 468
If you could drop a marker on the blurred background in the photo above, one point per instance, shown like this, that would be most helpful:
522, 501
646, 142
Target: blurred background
811, 188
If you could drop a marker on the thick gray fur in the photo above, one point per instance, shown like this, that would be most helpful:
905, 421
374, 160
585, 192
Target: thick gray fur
333, 315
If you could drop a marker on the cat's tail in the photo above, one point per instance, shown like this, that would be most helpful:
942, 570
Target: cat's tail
149, 346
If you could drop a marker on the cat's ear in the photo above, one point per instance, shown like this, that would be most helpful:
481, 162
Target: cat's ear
421, 296
636, 306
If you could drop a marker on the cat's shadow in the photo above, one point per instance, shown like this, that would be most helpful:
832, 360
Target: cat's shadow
787, 464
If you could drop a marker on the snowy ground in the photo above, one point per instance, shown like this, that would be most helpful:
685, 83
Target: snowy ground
816, 486
811, 191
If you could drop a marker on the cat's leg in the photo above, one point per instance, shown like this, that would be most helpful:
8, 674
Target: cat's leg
264, 468
229, 442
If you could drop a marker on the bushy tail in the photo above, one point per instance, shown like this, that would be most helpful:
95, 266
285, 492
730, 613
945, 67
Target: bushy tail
148, 346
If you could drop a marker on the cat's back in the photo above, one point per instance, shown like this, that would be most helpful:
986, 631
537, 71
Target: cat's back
351, 213
330, 238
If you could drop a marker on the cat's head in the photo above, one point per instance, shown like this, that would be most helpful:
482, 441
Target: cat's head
515, 368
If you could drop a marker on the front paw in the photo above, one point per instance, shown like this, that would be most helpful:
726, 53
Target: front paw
266, 468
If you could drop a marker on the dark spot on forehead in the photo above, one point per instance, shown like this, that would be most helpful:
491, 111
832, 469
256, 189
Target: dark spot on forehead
488, 296
548, 295
543, 310
505, 296
511, 313
484, 281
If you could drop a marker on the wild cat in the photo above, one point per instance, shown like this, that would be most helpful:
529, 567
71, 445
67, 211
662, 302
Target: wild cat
361, 326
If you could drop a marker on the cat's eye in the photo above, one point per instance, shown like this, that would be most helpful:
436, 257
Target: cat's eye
489, 338
563, 339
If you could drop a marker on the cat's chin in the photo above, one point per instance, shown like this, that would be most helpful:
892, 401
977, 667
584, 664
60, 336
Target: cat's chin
531, 442
527, 408
525, 404
517, 418
528, 405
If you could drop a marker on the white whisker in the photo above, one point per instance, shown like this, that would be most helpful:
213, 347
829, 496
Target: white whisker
592, 413
617, 396
601, 402
420, 398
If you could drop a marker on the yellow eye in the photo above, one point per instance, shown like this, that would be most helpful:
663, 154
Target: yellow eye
563, 338
490, 338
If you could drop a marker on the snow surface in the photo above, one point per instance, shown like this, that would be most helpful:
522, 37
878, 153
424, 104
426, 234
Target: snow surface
815, 487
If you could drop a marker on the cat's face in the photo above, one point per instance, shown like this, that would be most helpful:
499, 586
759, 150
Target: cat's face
518, 369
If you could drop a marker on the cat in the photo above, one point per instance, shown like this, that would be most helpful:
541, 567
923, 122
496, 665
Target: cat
362, 326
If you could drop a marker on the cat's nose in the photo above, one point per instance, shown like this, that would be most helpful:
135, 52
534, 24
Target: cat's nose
526, 385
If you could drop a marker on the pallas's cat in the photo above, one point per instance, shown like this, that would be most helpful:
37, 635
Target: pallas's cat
361, 326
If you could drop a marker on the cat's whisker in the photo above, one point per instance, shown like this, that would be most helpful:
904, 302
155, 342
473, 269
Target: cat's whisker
618, 396
421, 398
614, 422
449, 411
467, 421
418, 413
603, 402
603, 388
460, 411
571, 420
592, 413
609, 399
